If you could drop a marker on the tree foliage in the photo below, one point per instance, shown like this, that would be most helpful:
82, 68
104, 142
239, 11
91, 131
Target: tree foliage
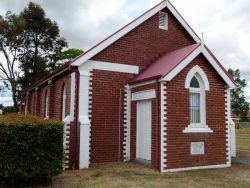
11, 34
30, 43
239, 104
69, 54
41, 45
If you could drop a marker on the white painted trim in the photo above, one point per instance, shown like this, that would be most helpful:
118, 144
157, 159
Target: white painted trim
182, 65
84, 119
197, 168
72, 95
190, 58
46, 105
104, 44
108, 66
161, 13
197, 130
197, 70
228, 122
127, 115
218, 68
107, 42
163, 126
144, 95
142, 84
66, 132
204, 84
176, 14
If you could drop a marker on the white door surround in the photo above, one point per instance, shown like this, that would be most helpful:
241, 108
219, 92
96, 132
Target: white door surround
143, 130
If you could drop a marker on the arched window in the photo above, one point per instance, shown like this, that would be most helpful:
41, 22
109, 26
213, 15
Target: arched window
63, 106
26, 106
46, 105
197, 101
197, 84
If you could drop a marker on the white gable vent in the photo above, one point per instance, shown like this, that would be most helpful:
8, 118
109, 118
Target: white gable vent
163, 20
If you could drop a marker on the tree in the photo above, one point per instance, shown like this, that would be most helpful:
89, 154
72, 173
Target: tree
41, 45
239, 104
68, 55
29, 43
11, 33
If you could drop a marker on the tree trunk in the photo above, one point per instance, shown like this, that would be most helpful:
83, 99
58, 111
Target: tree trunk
13, 89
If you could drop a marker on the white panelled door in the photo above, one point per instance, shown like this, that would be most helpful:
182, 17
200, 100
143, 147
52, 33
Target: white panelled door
144, 122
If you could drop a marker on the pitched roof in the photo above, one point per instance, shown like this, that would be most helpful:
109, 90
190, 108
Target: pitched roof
165, 64
127, 28
170, 64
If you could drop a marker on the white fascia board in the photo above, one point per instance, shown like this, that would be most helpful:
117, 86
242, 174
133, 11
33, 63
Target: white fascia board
119, 34
182, 65
142, 84
104, 44
183, 22
108, 66
218, 68
144, 95
191, 57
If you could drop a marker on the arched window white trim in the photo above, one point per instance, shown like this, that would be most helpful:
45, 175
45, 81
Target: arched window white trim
46, 105
197, 83
64, 95
197, 70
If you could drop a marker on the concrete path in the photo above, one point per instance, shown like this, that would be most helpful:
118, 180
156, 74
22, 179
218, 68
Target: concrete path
241, 160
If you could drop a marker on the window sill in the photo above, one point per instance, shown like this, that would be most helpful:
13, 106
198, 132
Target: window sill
197, 130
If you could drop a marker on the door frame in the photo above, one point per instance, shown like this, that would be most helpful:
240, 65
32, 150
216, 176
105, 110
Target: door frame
137, 123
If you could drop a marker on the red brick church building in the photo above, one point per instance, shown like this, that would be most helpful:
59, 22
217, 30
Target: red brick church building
152, 91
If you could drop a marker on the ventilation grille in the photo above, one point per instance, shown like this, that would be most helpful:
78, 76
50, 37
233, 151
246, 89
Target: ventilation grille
163, 20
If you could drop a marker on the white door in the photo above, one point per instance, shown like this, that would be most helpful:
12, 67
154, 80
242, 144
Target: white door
144, 119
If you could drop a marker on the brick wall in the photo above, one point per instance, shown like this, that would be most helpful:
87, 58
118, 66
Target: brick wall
155, 131
178, 143
36, 99
104, 145
145, 43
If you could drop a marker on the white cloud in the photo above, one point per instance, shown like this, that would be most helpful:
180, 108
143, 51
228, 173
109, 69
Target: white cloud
84, 23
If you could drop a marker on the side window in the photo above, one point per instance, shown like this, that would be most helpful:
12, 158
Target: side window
63, 106
46, 105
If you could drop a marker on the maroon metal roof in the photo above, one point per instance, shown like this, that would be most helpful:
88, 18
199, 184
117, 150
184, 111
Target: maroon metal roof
165, 64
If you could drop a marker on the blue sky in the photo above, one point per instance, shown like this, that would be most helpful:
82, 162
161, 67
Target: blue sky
84, 23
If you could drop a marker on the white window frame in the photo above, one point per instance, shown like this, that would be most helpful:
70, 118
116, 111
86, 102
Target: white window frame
46, 105
166, 17
200, 75
202, 93
64, 96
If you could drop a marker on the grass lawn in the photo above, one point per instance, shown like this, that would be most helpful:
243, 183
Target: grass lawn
134, 175
243, 142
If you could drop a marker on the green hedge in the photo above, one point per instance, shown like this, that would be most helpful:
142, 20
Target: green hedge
31, 149
8, 109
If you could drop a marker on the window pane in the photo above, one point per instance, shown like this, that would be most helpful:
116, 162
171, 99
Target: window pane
194, 83
195, 108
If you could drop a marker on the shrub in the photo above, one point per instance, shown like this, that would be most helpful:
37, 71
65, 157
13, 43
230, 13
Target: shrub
8, 109
31, 149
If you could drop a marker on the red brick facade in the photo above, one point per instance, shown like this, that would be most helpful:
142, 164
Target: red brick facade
106, 88
140, 47
178, 143
146, 42
36, 98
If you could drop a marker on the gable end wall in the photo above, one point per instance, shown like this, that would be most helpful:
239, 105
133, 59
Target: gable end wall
178, 143
145, 43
